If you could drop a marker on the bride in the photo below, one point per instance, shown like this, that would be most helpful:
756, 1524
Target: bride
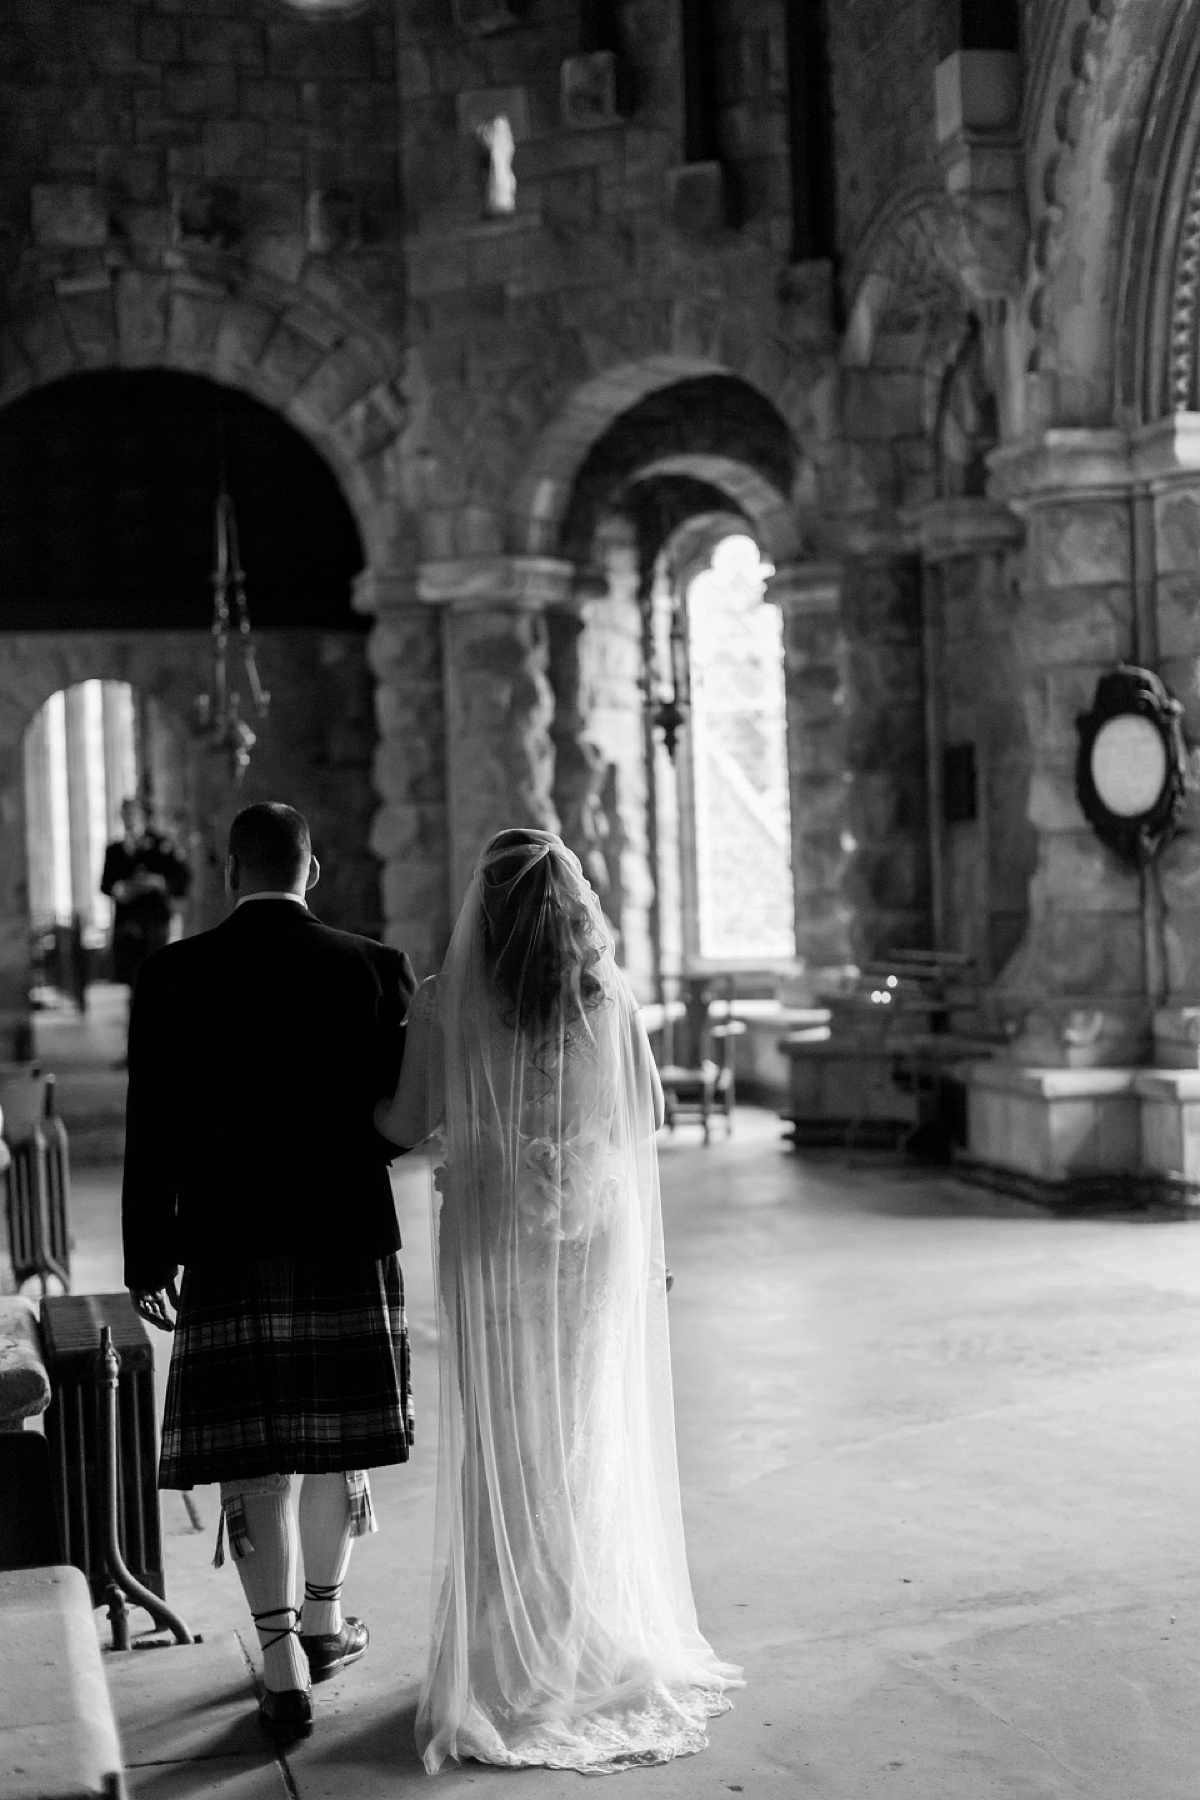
564, 1630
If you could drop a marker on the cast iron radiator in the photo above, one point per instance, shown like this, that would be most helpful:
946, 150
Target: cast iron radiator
71, 1346
37, 1191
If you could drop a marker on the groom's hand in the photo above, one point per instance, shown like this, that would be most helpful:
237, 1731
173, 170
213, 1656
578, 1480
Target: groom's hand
152, 1305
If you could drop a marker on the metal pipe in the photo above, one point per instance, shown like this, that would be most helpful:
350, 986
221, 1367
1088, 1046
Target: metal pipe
935, 738
164, 1617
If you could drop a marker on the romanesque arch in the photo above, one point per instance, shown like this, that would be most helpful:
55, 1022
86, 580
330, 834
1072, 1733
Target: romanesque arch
1157, 331
299, 351
1099, 106
678, 415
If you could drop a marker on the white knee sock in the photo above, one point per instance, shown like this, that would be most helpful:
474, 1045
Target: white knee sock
268, 1566
325, 1543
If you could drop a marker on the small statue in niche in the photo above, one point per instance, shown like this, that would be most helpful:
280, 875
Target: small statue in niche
968, 424
497, 139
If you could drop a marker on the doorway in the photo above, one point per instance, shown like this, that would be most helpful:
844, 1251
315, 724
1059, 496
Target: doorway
89, 749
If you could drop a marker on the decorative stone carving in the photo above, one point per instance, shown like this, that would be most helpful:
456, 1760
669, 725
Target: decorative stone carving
480, 18
409, 833
580, 767
1088, 21
497, 139
68, 217
698, 199
591, 89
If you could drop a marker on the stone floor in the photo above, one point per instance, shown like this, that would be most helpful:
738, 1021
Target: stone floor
940, 1470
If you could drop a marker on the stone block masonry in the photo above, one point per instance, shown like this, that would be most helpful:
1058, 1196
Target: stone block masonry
127, 113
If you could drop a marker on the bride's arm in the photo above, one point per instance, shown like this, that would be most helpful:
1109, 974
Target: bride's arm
656, 1091
415, 1109
657, 1104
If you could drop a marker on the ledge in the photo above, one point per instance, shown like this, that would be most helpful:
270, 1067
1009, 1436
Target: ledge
1180, 1087
1052, 1084
1063, 462
506, 583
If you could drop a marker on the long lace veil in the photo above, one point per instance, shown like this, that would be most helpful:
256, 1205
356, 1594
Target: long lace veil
564, 1628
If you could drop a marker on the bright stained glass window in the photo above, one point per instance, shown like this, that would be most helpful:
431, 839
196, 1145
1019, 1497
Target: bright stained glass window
739, 761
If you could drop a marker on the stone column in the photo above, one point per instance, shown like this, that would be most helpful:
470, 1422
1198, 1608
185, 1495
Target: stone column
1063, 1105
498, 701
980, 867
880, 755
578, 761
1167, 465
1076, 990
409, 834
815, 682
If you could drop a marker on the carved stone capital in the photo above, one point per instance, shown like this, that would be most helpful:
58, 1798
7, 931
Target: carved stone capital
810, 587
1063, 463
977, 105
501, 583
375, 590
1168, 451
969, 526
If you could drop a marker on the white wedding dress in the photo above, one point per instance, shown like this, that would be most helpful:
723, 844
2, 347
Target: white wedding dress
564, 1630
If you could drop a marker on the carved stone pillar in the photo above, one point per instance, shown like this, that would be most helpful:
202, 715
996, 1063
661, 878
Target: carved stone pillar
980, 838
1167, 463
1078, 985
579, 762
815, 657
498, 701
409, 833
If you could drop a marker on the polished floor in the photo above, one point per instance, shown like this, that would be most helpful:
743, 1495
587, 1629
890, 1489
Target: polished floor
941, 1471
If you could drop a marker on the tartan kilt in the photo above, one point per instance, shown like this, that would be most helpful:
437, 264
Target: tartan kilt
285, 1366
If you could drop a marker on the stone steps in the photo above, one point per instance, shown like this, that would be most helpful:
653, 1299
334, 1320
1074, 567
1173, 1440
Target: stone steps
58, 1737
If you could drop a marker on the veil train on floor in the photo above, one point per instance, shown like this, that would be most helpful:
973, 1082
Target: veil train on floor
564, 1629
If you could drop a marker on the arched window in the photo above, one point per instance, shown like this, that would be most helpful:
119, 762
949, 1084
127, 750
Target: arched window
736, 765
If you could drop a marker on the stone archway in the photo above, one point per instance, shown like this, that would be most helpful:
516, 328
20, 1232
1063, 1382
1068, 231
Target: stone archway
631, 417
294, 349
304, 352
627, 462
34, 666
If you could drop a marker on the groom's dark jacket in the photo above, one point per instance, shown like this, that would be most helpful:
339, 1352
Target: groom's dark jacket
257, 1052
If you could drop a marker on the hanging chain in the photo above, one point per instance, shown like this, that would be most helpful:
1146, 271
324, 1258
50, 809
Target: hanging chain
219, 713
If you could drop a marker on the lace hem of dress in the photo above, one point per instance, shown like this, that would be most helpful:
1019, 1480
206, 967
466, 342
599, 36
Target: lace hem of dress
660, 1727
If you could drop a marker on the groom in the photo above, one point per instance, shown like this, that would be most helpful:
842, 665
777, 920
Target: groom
257, 1052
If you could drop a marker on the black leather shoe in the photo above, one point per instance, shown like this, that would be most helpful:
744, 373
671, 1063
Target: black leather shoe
327, 1652
287, 1715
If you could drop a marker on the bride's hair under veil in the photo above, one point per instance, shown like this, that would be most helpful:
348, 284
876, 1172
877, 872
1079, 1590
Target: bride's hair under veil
542, 940
564, 1629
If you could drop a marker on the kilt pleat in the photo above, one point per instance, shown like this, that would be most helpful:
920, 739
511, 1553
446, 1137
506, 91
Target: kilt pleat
283, 1366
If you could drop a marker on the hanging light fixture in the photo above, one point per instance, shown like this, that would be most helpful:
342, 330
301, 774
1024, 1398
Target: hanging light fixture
219, 711
667, 704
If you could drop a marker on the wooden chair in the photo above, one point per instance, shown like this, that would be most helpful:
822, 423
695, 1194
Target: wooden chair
696, 1069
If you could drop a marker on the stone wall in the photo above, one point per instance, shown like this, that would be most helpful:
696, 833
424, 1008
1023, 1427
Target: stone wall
887, 875
883, 54
601, 266
752, 130
989, 858
220, 125
297, 205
